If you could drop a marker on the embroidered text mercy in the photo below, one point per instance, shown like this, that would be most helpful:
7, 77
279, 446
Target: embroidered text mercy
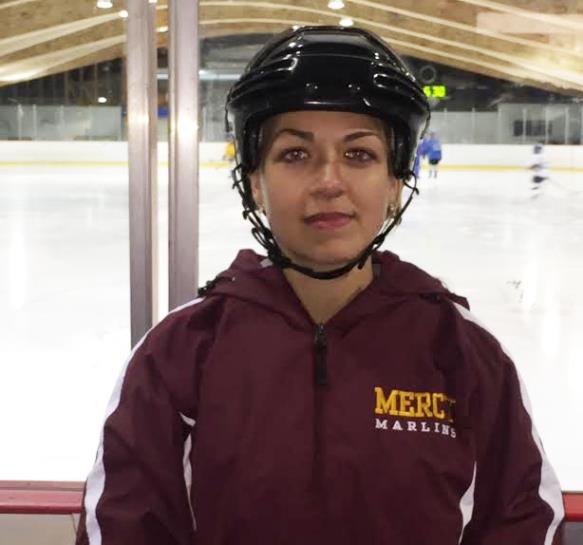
434, 405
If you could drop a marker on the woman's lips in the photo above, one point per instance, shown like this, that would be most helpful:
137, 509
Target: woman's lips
328, 220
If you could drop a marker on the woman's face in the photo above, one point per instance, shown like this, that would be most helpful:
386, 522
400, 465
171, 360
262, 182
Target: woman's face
324, 184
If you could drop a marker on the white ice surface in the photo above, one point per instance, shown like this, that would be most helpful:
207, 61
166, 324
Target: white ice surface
64, 295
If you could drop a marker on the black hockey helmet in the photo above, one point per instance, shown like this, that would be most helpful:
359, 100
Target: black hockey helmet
328, 68
324, 68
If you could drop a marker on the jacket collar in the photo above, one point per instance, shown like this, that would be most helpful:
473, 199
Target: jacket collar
252, 278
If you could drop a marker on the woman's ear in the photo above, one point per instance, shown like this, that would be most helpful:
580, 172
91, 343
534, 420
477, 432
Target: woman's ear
256, 190
396, 190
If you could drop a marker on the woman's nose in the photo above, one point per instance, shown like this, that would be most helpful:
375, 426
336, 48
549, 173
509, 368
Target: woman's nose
329, 182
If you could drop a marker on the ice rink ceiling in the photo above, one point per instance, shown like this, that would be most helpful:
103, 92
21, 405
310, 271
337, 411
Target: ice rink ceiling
64, 287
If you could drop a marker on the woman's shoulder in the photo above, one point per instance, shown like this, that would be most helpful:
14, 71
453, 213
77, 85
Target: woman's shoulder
185, 326
403, 276
245, 279
473, 346
452, 309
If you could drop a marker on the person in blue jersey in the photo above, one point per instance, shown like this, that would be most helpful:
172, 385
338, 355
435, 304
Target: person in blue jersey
417, 162
431, 148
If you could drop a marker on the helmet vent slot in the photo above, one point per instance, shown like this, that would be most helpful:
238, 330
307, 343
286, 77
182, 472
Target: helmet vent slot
271, 73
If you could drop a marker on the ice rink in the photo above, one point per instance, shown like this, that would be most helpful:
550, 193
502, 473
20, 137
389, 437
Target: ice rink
64, 294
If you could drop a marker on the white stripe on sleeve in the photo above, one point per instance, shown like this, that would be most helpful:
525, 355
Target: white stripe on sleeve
187, 465
467, 504
549, 488
96, 479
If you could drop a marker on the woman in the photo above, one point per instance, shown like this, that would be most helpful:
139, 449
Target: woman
328, 393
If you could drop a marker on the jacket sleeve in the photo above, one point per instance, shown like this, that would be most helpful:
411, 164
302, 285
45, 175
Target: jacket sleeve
138, 490
516, 497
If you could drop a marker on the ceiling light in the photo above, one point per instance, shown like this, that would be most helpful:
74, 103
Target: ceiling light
104, 4
153, 1
336, 4
102, 100
123, 13
346, 21
21, 76
162, 29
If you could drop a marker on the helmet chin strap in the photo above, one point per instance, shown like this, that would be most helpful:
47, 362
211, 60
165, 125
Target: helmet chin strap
264, 236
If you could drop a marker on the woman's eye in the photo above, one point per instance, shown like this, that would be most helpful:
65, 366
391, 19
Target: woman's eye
292, 155
360, 155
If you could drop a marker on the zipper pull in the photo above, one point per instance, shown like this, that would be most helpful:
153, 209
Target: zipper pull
320, 371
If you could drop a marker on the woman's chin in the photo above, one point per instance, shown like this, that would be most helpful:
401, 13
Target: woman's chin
324, 261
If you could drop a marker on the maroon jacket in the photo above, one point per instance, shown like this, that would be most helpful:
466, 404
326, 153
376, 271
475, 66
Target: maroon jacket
238, 421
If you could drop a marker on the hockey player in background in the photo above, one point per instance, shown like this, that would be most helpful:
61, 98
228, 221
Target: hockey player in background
431, 148
539, 166
229, 153
417, 162
327, 393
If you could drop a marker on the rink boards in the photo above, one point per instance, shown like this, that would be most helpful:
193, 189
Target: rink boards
65, 321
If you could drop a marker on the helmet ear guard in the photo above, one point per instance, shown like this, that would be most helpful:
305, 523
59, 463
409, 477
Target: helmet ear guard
333, 69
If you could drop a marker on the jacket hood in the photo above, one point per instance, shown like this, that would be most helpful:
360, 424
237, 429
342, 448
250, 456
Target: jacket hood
253, 278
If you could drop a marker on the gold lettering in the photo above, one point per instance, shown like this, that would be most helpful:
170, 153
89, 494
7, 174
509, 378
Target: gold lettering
415, 404
437, 412
423, 404
407, 408
449, 410
385, 405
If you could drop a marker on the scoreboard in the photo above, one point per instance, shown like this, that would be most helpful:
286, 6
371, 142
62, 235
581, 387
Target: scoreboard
435, 91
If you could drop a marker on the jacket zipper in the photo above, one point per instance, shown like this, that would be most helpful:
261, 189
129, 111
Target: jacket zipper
320, 371
321, 380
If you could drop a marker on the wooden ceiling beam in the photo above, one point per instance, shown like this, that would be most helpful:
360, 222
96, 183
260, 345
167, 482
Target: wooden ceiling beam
99, 55
96, 28
44, 36
426, 50
428, 11
502, 68
36, 15
46, 57
41, 65
470, 63
55, 38
565, 21
477, 65
5, 4
474, 68
541, 69
548, 7
395, 16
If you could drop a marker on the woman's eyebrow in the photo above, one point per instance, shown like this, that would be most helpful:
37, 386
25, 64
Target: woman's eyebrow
306, 135
360, 134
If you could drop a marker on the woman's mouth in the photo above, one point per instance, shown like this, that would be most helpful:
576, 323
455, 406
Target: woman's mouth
329, 220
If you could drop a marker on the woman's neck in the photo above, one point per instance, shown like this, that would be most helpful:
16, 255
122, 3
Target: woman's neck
322, 299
